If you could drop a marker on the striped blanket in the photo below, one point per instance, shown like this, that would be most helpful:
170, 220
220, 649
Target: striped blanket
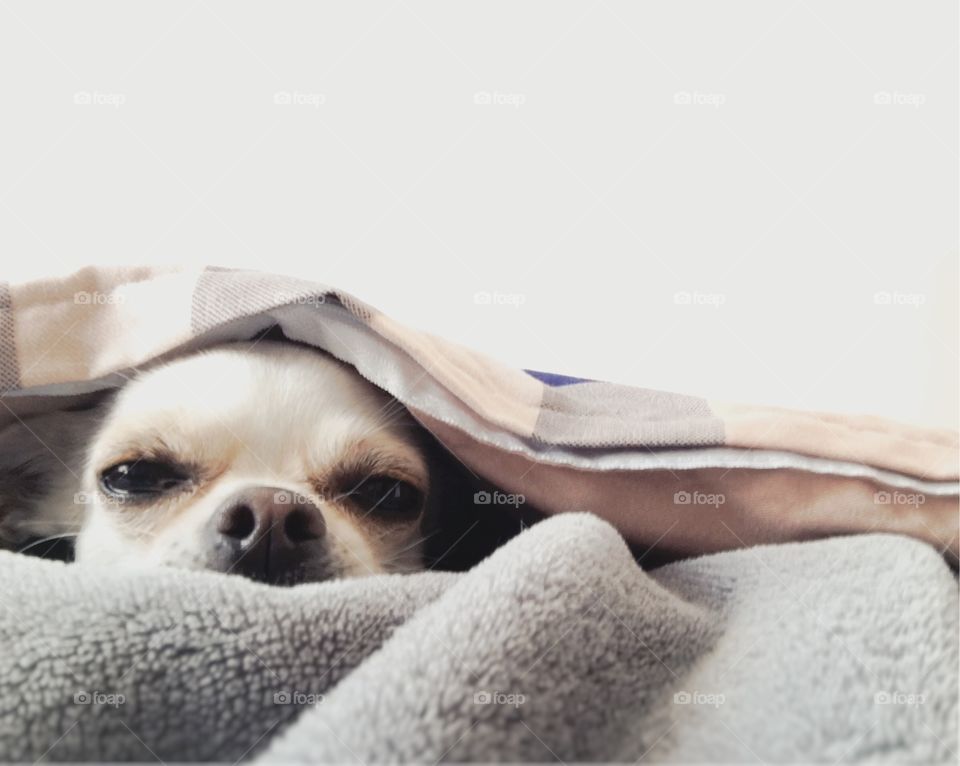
680, 473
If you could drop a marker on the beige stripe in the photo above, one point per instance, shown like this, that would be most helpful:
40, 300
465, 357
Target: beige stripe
502, 395
923, 452
97, 321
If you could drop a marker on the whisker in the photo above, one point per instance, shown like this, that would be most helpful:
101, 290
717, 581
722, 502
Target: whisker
25, 548
397, 554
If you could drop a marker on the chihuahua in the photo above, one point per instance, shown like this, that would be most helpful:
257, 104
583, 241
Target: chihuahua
273, 461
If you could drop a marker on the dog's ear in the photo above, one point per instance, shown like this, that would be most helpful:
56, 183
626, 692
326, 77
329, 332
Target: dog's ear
41, 465
461, 525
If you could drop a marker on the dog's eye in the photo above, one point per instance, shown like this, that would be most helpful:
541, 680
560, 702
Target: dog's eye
141, 477
387, 497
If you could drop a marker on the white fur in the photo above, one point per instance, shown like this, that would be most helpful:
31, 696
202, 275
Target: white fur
266, 414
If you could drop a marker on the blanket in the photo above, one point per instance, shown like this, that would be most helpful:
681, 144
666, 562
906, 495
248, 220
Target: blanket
556, 647
755, 645
706, 470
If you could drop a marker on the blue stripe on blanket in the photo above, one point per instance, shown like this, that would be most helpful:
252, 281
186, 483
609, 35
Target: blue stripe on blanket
552, 379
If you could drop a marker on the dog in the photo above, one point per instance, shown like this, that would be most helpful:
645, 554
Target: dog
271, 460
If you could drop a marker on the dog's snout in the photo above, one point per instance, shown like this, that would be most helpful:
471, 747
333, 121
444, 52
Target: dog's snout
247, 516
266, 533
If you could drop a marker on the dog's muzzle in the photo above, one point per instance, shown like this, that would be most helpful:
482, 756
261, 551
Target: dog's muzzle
268, 534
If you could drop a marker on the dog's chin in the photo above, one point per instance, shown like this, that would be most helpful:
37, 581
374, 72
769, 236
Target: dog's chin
307, 571
312, 563
310, 570
288, 578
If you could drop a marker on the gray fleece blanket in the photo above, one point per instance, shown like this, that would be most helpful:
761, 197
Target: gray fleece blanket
557, 647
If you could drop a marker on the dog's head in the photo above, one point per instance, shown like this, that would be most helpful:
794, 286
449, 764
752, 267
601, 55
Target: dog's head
274, 461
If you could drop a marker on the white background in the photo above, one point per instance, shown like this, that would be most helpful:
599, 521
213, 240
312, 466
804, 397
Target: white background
781, 200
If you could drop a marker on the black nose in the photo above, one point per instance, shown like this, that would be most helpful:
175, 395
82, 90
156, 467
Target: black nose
267, 534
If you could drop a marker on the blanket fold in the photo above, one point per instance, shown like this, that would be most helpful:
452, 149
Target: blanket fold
557, 646
785, 635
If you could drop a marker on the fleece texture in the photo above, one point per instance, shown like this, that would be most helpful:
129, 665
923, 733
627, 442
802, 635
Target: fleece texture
558, 646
